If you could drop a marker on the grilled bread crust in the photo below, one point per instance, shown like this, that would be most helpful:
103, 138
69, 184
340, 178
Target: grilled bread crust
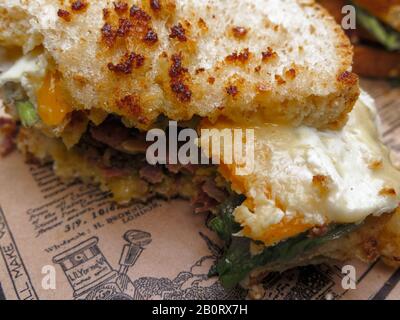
283, 61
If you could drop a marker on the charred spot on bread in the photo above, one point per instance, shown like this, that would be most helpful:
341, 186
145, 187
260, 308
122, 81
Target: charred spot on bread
120, 7
178, 32
348, 78
151, 37
177, 74
241, 57
155, 5
232, 90
64, 14
211, 80
130, 104
268, 55
202, 24
106, 13
239, 32
139, 14
136, 24
279, 80
182, 90
177, 70
129, 61
124, 27
200, 70
108, 34
79, 5
291, 74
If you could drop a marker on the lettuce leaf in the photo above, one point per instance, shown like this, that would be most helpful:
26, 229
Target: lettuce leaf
27, 113
224, 225
238, 262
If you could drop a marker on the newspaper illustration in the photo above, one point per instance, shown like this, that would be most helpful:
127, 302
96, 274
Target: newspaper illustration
90, 274
68, 240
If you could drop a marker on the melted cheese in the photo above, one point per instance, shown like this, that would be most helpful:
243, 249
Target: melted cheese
305, 178
52, 106
42, 88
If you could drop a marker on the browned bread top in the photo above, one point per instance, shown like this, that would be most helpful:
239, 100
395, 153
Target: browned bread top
283, 61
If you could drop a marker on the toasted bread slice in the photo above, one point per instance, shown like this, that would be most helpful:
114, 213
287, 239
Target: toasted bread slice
387, 10
280, 61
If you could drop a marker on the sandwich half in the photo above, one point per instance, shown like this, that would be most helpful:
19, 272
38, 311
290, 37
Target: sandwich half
86, 81
377, 37
314, 195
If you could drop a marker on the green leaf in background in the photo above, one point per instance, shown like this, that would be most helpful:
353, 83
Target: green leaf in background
27, 113
385, 35
238, 262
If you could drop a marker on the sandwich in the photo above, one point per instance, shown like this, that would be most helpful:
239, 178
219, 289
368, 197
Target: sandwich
88, 82
377, 36
314, 196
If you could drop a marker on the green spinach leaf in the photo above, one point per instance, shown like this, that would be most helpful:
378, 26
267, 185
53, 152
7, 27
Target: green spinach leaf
238, 262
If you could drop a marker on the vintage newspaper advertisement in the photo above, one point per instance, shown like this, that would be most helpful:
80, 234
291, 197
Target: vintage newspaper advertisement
69, 241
